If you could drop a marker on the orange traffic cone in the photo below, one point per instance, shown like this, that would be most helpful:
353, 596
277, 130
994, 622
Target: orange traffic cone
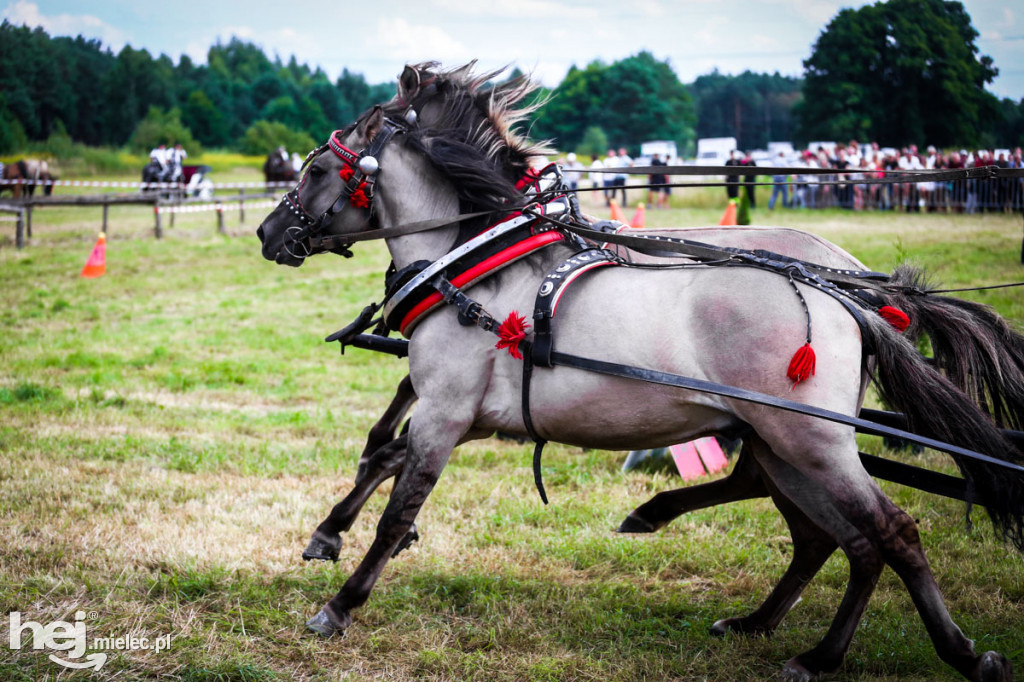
97, 263
617, 212
729, 217
638, 217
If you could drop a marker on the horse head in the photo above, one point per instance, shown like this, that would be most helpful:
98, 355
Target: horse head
443, 144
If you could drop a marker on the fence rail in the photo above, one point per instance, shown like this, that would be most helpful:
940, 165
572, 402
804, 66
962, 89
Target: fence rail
181, 186
23, 208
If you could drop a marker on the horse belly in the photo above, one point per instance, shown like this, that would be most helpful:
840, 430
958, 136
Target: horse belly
737, 327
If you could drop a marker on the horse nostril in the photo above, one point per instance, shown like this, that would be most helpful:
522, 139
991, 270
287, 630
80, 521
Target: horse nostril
259, 232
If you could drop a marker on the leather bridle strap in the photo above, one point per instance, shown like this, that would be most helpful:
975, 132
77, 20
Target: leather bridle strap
332, 240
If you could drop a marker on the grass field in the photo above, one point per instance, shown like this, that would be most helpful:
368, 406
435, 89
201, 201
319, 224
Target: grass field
171, 433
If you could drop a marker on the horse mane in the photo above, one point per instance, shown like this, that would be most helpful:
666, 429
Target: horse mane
472, 136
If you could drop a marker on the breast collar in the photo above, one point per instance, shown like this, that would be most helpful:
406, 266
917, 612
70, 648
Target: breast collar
411, 294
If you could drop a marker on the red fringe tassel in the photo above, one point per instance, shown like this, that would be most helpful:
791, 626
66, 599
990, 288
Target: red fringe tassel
896, 317
801, 367
511, 332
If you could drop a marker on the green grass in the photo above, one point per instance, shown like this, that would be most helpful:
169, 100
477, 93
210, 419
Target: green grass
172, 432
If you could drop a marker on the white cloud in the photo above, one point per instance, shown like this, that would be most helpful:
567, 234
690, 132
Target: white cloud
28, 13
413, 42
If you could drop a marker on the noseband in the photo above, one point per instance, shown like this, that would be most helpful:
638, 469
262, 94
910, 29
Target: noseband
359, 173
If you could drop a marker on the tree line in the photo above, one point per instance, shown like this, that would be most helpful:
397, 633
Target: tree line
897, 72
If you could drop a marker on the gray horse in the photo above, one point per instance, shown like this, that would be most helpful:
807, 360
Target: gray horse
734, 326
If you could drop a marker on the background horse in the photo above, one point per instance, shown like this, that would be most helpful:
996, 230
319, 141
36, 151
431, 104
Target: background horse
27, 173
733, 326
278, 167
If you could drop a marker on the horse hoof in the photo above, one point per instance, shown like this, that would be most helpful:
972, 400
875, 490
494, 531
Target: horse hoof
634, 524
322, 548
992, 667
325, 625
410, 537
794, 672
721, 627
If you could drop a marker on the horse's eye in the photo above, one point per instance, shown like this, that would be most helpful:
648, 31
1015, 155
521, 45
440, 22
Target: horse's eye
317, 171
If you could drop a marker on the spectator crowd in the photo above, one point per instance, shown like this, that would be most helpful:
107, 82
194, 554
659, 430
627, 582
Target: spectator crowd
960, 196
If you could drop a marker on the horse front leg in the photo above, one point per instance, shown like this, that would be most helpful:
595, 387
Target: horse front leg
383, 456
383, 432
388, 461
428, 452
743, 483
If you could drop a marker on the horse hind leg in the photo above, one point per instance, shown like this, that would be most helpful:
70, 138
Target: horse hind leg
743, 483
872, 532
811, 548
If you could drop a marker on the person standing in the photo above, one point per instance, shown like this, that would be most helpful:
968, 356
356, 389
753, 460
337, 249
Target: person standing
780, 186
732, 187
625, 161
571, 172
610, 161
749, 180
659, 192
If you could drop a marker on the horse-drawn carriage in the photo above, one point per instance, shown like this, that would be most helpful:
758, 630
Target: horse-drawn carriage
191, 181
659, 338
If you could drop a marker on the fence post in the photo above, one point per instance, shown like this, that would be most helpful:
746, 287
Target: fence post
220, 218
106, 209
241, 205
28, 221
158, 230
19, 231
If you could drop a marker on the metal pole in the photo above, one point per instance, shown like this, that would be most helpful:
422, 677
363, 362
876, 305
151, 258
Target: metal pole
220, 218
156, 213
28, 221
106, 210
241, 205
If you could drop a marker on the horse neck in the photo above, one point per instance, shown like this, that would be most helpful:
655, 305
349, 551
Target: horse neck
411, 191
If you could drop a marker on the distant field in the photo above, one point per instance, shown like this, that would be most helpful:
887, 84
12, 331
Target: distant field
171, 433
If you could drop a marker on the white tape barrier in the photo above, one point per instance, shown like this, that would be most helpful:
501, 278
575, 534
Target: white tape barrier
145, 185
198, 208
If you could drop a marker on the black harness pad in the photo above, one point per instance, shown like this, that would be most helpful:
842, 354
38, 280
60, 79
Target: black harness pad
550, 292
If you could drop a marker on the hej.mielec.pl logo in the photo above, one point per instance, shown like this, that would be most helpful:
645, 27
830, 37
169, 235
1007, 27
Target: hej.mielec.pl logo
72, 640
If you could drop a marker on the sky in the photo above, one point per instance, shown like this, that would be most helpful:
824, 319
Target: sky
544, 37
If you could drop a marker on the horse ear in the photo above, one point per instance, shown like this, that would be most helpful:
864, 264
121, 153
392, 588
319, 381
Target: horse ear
371, 125
408, 85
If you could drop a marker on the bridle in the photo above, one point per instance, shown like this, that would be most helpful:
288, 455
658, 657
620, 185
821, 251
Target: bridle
359, 173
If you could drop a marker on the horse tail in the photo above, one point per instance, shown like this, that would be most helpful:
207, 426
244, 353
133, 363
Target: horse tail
971, 344
935, 407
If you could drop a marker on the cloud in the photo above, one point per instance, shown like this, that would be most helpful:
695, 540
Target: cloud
411, 42
534, 9
27, 13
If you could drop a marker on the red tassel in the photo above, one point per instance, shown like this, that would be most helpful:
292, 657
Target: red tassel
896, 317
801, 367
346, 173
359, 198
511, 332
